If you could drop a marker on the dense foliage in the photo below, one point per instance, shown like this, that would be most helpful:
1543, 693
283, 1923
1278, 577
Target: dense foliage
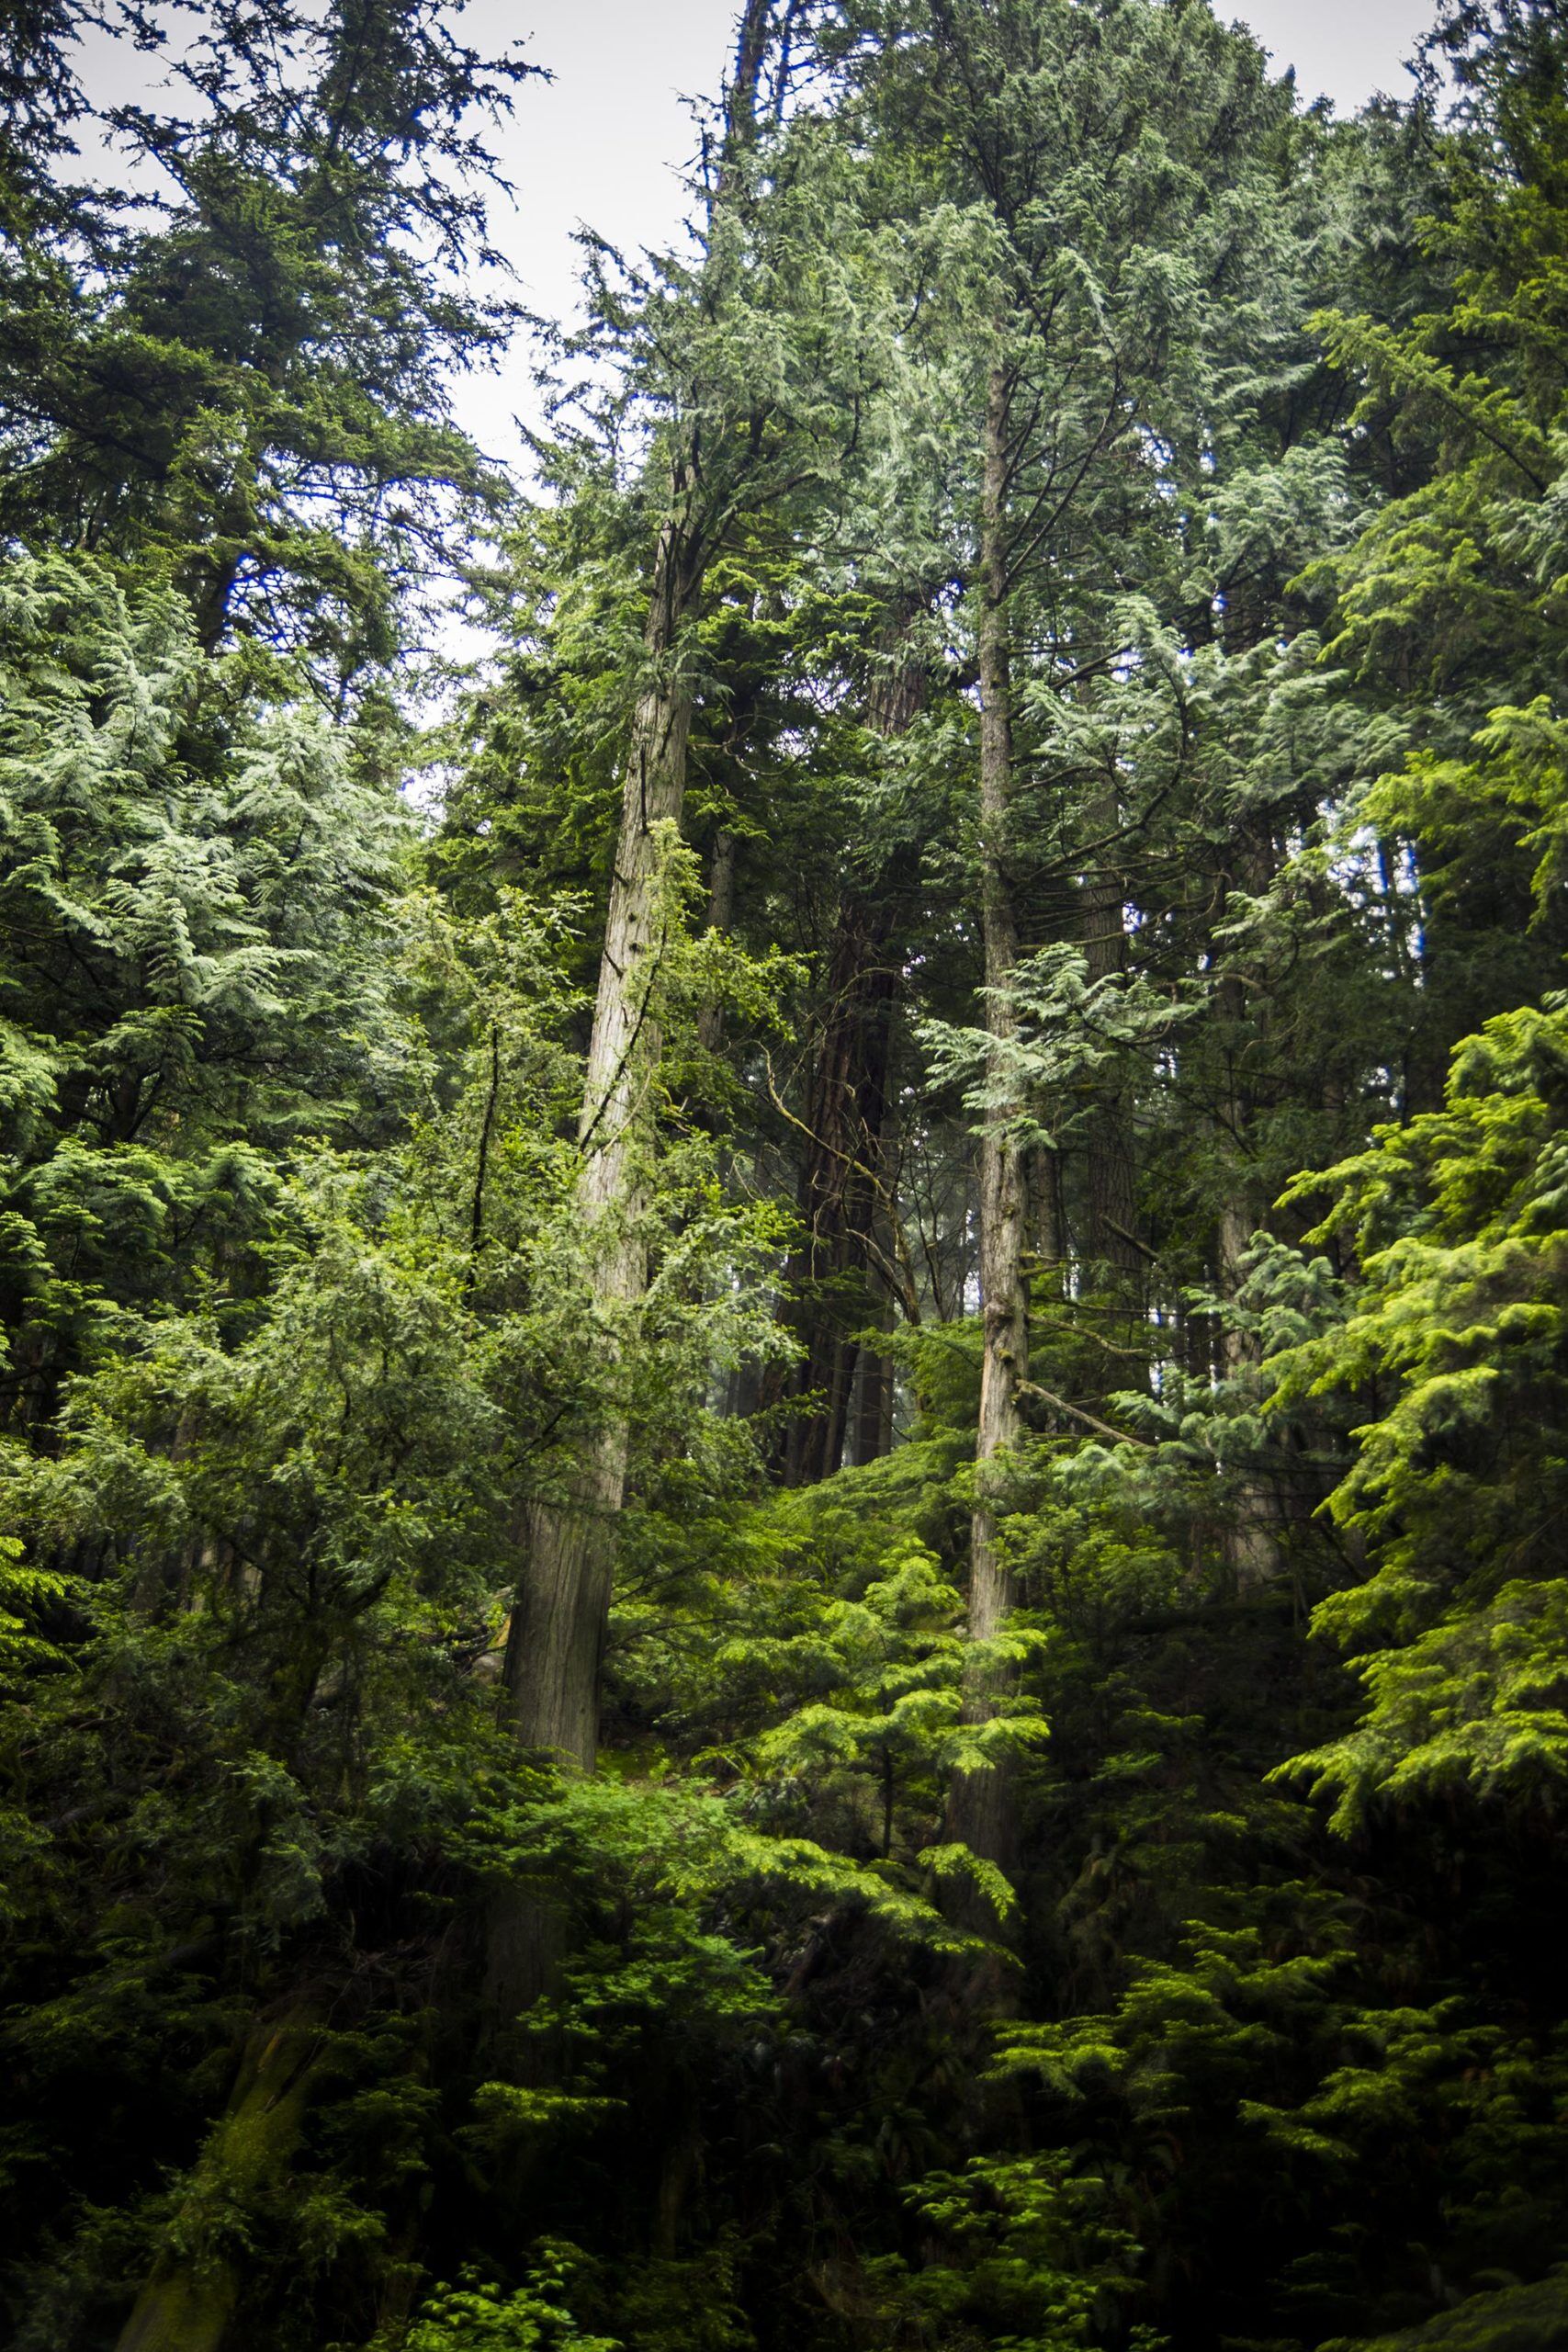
781, 1463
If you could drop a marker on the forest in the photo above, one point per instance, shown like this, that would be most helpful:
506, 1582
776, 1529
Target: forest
784, 1214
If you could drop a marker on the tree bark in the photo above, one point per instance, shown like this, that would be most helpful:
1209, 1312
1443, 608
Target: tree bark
189, 2302
1111, 1240
828, 1280
560, 1609
871, 1426
833, 1286
557, 1622
1046, 1222
980, 1811
721, 917
1249, 1537
555, 1643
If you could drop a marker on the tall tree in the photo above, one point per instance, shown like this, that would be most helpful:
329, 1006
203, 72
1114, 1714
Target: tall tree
248, 371
563, 1593
1103, 155
754, 360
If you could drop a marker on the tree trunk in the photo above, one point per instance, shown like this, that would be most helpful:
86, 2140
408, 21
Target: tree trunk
829, 1277
1111, 1240
1249, 1538
833, 1289
1249, 1544
1046, 1222
981, 1808
721, 917
191, 2297
557, 1622
556, 1638
872, 1430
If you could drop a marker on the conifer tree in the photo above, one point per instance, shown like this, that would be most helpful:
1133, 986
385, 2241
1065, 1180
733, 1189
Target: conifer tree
1104, 171
248, 372
734, 436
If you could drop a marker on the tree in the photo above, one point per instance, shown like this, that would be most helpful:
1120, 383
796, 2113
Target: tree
735, 437
1104, 171
245, 374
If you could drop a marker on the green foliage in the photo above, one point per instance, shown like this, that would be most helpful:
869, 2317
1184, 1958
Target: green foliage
1457, 1332
241, 386
1259, 2045
1514, 2319
477, 2317
1036, 2264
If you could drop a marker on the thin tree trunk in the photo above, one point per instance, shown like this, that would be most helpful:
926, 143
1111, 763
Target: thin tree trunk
721, 917
981, 1808
1249, 1542
829, 1277
1249, 1539
872, 1433
1112, 1238
832, 1285
1046, 1223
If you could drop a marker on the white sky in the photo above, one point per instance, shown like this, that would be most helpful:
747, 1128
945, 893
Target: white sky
605, 141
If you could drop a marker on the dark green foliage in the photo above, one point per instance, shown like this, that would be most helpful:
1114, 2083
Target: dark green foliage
1258, 2042
241, 381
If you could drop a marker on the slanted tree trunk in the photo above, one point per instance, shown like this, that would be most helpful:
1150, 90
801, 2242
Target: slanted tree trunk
555, 1639
980, 1808
563, 1597
192, 2297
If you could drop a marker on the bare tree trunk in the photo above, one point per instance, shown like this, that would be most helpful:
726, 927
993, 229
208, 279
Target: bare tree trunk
829, 1292
832, 1286
1046, 1221
1249, 1539
721, 917
557, 1622
981, 1808
555, 1640
873, 1432
871, 1435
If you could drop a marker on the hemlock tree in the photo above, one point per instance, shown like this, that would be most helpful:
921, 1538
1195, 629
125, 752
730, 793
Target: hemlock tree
754, 362
1110, 163
243, 369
